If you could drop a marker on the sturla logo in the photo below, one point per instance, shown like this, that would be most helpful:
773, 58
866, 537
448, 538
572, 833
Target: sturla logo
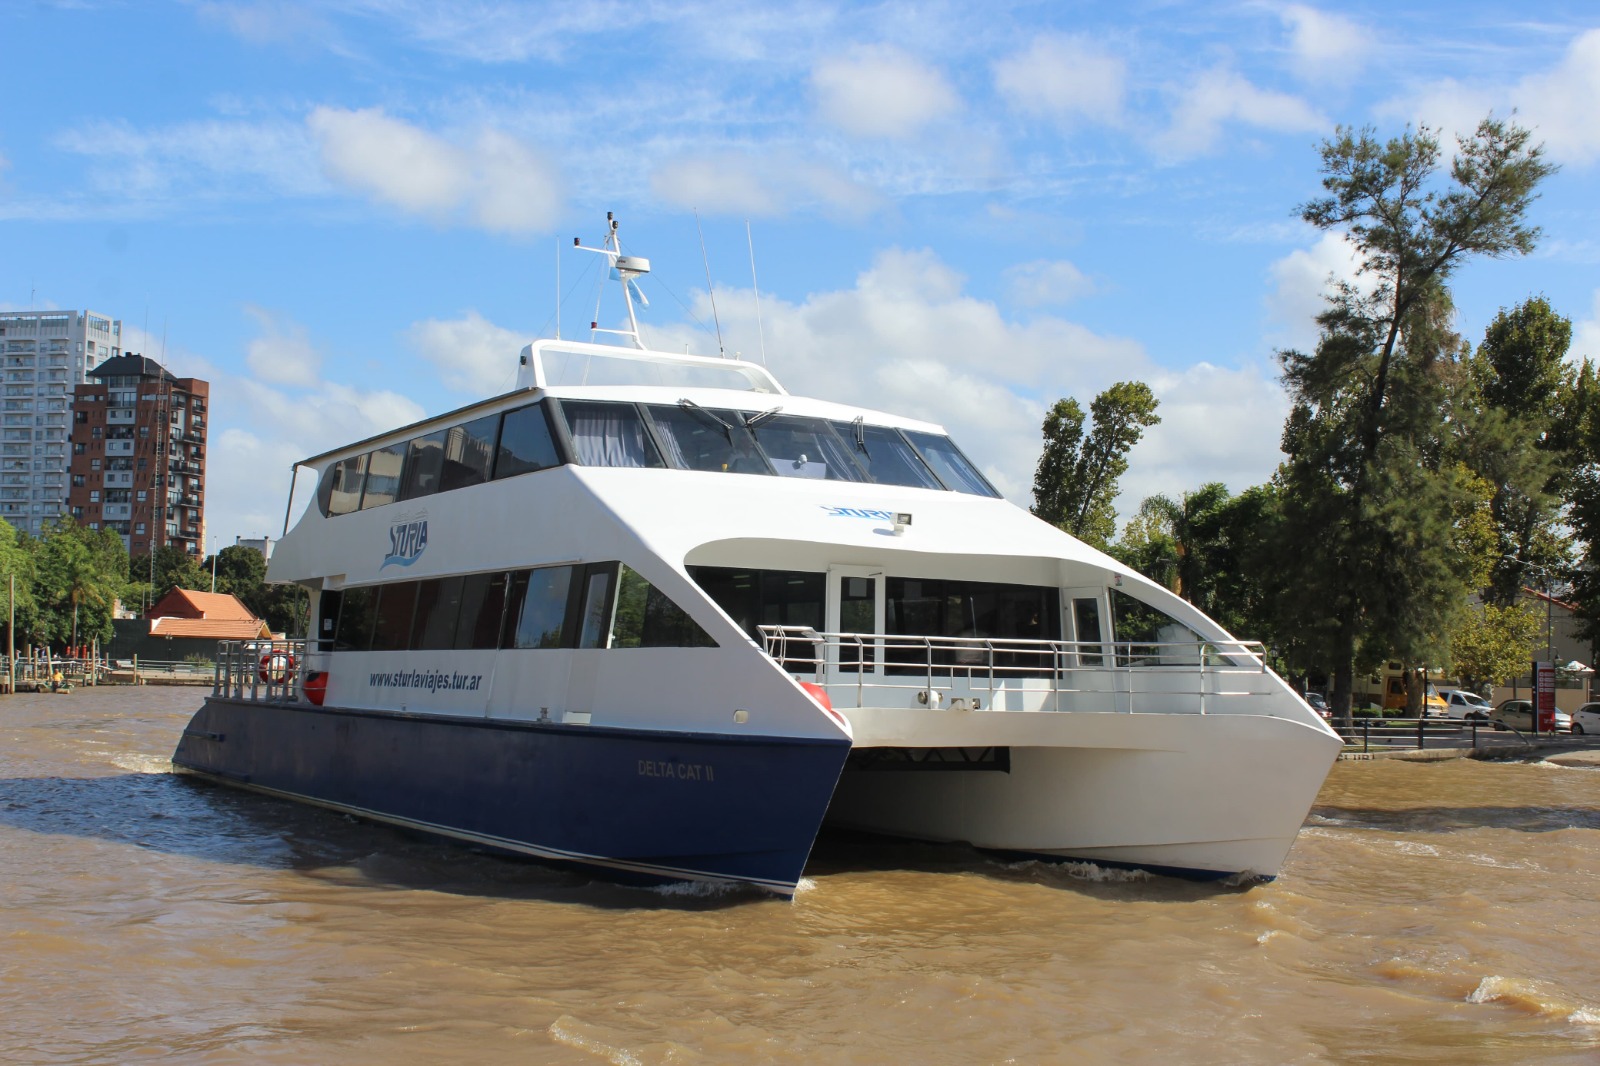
408, 539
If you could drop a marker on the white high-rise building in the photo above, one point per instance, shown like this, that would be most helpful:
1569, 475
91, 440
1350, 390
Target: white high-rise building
43, 355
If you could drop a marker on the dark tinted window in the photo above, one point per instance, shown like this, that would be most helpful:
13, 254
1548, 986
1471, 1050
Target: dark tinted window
699, 439
396, 604
483, 598
537, 607
424, 461
974, 609
646, 618
438, 611
525, 443
595, 616
953, 468
356, 612
804, 447
384, 467
469, 453
341, 489
609, 434
754, 598
886, 457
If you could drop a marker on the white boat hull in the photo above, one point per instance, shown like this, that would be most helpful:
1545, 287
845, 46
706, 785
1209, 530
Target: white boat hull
1201, 795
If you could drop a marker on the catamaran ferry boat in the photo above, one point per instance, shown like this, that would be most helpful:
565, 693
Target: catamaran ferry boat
655, 615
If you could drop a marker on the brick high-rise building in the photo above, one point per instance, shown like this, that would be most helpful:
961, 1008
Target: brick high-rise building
43, 355
138, 455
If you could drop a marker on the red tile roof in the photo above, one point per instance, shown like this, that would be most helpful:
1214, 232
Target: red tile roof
210, 628
187, 603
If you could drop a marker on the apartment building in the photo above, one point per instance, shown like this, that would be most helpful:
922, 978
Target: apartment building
138, 462
44, 355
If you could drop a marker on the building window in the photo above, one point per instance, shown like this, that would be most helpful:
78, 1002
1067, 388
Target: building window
138, 527
95, 432
94, 495
94, 464
81, 417
142, 495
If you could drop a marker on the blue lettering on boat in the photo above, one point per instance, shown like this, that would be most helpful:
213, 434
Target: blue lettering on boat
408, 539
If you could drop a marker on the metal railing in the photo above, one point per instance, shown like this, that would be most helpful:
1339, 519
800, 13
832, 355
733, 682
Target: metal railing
259, 669
973, 673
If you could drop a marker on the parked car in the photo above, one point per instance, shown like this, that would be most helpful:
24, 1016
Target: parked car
1586, 719
1518, 714
1459, 703
1319, 703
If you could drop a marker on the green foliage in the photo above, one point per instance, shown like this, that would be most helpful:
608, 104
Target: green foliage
1525, 436
1493, 644
1075, 483
1369, 478
16, 561
79, 573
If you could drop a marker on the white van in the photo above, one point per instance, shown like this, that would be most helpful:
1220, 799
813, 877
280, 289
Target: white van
1459, 703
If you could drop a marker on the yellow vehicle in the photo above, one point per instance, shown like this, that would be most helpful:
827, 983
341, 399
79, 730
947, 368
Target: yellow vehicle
1389, 692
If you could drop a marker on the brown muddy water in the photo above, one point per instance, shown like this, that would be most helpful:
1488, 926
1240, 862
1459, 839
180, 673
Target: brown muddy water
1430, 913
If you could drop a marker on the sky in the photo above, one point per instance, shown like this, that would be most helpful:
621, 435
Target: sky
349, 215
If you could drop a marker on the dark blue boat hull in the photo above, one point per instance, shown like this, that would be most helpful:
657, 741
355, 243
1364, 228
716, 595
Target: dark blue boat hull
635, 803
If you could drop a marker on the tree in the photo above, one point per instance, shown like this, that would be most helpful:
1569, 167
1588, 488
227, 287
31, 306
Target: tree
1189, 534
1494, 644
1526, 431
17, 564
1075, 483
79, 573
1367, 480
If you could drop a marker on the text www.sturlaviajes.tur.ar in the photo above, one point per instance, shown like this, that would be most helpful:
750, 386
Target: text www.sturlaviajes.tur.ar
431, 680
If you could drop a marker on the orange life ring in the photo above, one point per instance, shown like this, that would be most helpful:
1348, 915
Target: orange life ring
277, 668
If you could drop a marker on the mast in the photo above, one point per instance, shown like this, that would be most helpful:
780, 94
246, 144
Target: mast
624, 268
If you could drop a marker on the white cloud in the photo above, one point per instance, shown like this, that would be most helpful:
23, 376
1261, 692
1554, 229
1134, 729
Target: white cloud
472, 354
1300, 284
180, 160
1586, 335
259, 428
1064, 78
1193, 445
501, 183
770, 183
1559, 104
1046, 283
269, 21
1325, 46
907, 338
284, 356
880, 92
1221, 96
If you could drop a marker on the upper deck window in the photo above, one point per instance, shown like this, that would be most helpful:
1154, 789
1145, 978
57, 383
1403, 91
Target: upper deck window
469, 453
609, 434
953, 468
886, 457
424, 463
525, 443
804, 447
341, 489
695, 438
383, 475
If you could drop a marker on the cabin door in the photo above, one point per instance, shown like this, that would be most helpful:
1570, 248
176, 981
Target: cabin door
1088, 625
855, 606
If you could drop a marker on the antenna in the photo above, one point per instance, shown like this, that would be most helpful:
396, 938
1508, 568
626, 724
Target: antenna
625, 268
558, 289
709, 289
760, 333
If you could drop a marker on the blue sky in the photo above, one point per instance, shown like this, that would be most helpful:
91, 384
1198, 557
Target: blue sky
348, 214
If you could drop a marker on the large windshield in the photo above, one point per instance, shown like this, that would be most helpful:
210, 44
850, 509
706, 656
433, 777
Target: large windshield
804, 447
953, 468
695, 438
885, 456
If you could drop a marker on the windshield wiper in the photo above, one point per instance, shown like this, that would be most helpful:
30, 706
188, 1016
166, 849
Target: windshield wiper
752, 421
860, 425
694, 408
